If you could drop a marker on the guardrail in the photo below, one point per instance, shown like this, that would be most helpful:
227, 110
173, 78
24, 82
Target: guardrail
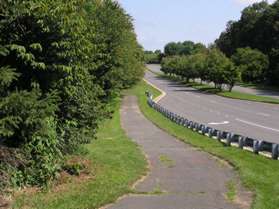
267, 149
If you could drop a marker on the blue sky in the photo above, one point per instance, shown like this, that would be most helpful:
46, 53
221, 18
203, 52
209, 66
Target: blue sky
158, 22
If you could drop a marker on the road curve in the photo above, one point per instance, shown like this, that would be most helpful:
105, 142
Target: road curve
253, 119
259, 92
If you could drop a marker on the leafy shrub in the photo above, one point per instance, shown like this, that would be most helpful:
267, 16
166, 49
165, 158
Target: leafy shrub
60, 66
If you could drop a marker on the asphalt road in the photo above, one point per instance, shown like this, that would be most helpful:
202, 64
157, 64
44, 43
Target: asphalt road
260, 92
253, 119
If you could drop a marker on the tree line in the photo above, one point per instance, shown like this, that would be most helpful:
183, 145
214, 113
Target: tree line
61, 65
151, 57
258, 29
212, 65
246, 52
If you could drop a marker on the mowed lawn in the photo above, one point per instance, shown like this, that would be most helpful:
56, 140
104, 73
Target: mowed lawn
257, 173
117, 163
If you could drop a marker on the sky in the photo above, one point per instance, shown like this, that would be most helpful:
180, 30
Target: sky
158, 22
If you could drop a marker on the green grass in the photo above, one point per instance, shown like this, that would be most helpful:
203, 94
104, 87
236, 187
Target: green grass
249, 97
233, 95
259, 174
232, 191
117, 163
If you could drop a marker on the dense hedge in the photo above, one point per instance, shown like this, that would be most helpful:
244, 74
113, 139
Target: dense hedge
61, 63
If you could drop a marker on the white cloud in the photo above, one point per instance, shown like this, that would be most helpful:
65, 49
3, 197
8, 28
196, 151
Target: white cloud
252, 1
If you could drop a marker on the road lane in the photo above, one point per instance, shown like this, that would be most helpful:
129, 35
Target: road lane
260, 92
253, 119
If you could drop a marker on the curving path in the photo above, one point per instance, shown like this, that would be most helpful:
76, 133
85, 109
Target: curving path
180, 176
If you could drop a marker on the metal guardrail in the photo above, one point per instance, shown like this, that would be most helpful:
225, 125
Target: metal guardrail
261, 147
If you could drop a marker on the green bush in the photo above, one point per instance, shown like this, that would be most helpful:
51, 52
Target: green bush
60, 66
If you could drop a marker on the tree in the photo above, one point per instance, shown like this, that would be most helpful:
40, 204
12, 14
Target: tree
61, 65
221, 70
252, 63
200, 65
173, 48
257, 29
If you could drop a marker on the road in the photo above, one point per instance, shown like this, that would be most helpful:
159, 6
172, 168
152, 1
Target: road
253, 119
259, 92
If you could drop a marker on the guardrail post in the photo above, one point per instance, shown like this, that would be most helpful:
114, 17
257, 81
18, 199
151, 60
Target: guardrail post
241, 142
210, 132
275, 151
229, 139
219, 135
256, 146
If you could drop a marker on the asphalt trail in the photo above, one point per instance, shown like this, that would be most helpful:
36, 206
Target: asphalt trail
180, 177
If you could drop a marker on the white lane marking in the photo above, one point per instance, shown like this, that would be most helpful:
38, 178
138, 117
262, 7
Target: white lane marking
221, 123
257, 125
197, 96
263, 114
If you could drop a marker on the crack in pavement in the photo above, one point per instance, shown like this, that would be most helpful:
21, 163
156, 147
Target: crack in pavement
194, 181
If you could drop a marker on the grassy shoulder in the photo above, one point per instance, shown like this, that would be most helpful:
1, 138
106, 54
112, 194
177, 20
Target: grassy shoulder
233, 94
117, 163
257, 173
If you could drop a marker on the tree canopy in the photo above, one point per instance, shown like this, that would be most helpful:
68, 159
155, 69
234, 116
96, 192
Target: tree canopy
257, 29
183, 48
212, 66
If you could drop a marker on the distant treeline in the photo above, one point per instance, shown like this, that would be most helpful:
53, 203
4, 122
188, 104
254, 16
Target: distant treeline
151, 57
61, 64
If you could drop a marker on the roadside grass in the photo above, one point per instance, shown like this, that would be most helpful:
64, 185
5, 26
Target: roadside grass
233, 94
209, 89
117, 163
259, 174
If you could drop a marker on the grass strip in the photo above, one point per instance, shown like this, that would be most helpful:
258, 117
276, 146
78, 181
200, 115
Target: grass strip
117, 163
257, 173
